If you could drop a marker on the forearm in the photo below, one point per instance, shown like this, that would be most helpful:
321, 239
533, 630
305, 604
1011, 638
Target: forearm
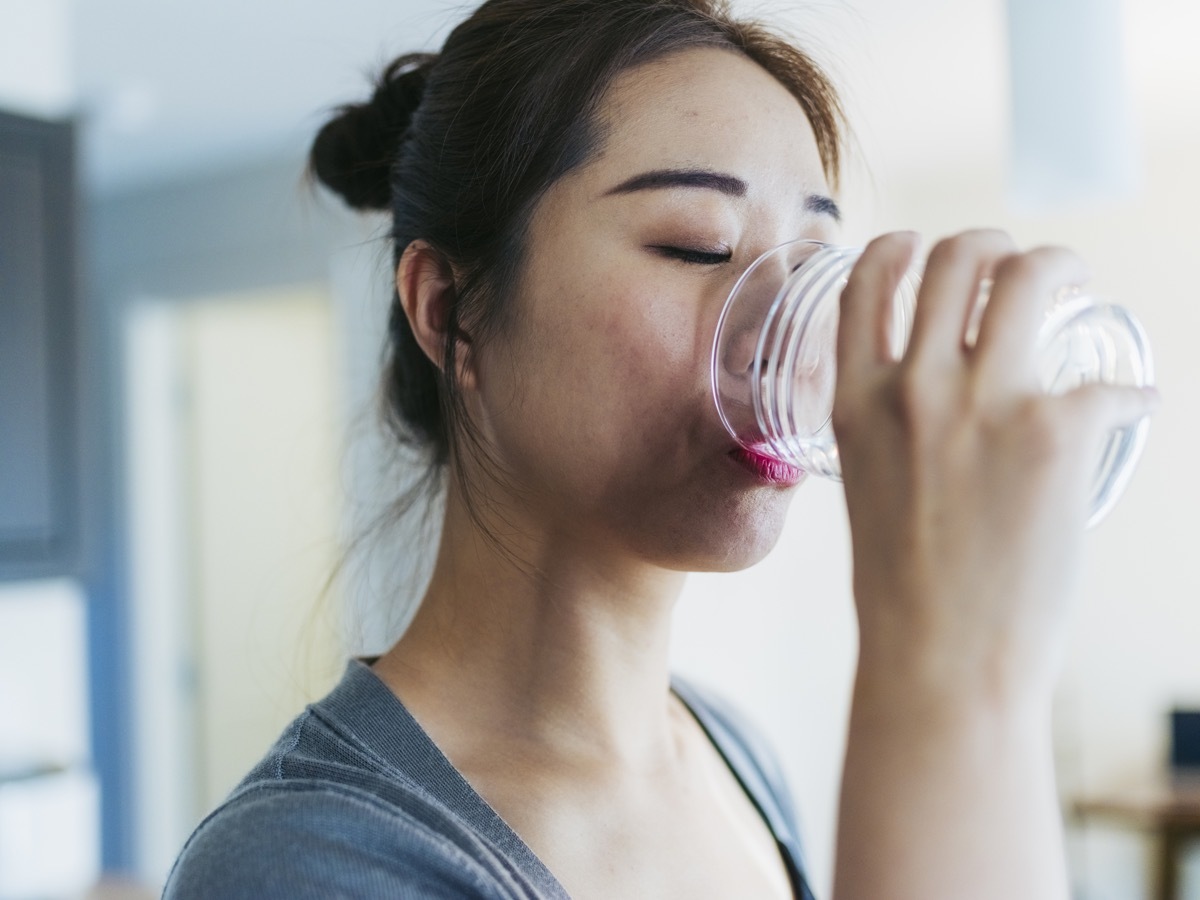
947, 794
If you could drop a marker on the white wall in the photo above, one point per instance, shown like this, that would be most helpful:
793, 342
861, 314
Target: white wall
36, 71
49, 797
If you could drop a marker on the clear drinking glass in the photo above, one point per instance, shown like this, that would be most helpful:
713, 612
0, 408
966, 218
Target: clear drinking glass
774, 362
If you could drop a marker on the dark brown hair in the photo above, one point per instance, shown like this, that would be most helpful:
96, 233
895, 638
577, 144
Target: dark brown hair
461, 145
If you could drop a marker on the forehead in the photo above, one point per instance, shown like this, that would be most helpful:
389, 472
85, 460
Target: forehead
708, 108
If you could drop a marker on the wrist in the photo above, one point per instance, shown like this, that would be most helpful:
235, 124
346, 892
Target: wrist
934, 679
947, 791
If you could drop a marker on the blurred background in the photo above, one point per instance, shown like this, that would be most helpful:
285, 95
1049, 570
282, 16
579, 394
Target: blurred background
189, 339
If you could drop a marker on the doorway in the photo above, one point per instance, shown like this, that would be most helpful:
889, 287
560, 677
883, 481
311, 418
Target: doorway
234, 495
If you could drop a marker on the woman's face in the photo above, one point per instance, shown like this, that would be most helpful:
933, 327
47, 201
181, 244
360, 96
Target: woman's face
596, 399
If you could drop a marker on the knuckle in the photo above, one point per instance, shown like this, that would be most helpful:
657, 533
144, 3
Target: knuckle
968, 247
950, 251
1018, 268
1036, 265
880, 243
885, 257
891, 240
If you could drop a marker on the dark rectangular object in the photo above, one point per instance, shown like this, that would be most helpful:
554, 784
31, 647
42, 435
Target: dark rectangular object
39, 500
1185, 739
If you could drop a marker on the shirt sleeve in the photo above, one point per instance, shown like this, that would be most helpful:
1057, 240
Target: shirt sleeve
314, 840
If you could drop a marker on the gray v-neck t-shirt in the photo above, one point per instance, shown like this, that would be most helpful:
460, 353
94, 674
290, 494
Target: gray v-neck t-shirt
356, 801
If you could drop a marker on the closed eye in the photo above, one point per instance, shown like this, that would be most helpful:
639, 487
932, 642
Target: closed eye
691, 255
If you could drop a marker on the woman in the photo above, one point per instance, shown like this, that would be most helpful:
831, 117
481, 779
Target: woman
575, 186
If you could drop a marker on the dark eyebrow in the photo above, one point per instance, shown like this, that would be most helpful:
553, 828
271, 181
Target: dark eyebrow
686, 178
823, 205
715, 181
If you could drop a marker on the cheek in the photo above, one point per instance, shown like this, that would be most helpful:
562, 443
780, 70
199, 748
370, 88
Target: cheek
599, 377
636, 354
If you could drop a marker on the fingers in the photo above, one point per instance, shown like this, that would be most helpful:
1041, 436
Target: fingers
1023, 288
1004, 356
949, 290
862, 343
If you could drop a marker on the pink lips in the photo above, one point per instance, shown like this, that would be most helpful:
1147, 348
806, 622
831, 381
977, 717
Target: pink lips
768, 469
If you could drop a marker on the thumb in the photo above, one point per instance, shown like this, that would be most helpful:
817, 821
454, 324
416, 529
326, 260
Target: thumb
1107, 407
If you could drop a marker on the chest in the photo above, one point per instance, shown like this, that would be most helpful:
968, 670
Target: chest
706, 859
695, 839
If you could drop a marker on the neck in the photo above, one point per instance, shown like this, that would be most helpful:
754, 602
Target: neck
547, 641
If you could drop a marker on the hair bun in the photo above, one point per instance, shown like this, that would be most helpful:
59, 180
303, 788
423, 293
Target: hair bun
353, 153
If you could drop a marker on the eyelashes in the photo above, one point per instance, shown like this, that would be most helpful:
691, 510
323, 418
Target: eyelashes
695, 256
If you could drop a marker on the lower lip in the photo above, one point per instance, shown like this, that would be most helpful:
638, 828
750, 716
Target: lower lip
767, 469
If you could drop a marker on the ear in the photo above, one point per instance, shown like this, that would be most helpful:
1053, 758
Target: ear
427, 290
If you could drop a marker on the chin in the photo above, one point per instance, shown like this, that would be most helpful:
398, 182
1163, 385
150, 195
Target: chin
741, 555
733, 542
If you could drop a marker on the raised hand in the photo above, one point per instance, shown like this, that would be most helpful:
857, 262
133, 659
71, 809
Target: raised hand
967, 489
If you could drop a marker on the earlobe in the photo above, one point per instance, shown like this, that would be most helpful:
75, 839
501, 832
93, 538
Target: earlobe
427, 290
